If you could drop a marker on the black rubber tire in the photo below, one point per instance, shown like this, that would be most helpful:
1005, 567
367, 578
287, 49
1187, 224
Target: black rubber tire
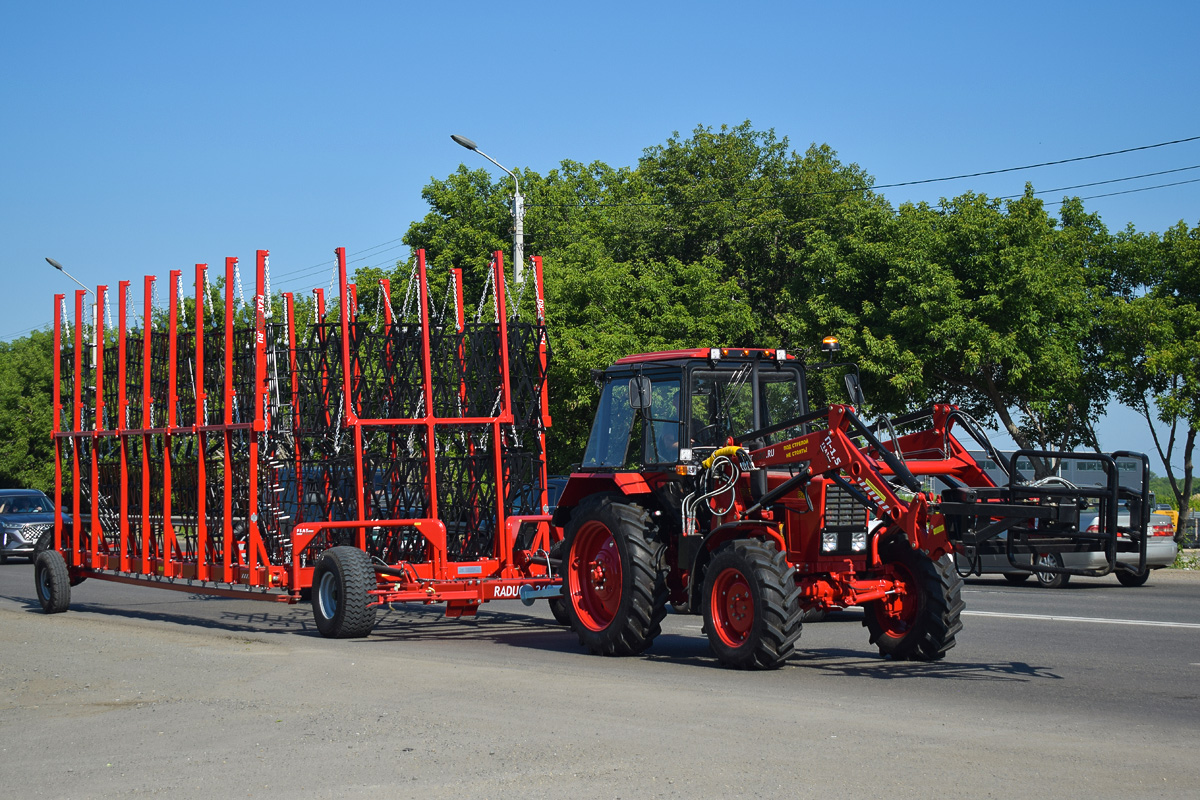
558, 607
752, 611
341, 582
3, 558
52, 581
619, 617
1133, 579
1051, 580
1016, 578
935, 617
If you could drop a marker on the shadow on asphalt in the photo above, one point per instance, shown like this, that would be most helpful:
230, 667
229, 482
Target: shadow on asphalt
400, 623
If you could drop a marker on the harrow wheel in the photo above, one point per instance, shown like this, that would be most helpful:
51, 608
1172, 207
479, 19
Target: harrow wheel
752, 608
340, 600
920, 620
53, 581
616, 592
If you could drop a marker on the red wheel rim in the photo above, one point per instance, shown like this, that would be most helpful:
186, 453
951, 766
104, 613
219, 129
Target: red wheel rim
595, 576
901, 608
732, 607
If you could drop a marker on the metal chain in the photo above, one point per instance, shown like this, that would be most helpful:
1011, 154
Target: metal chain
237, 276
487, 285
62, 324
128, 305
179, 297
412, 295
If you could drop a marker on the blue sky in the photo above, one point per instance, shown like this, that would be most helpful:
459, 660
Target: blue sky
138, 137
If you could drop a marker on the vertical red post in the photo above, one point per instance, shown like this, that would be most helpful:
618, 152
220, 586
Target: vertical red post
147, 417
347, 405
427, 387
122, 422
56, 423
203, 567
294, 375
77, 440
543, 361
257, 553
167, 562
98, 424
227, 553
501, 546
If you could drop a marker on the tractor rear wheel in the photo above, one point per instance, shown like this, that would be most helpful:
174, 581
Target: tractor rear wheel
614, 584
340, 600
919, 621
53, 581
752, 608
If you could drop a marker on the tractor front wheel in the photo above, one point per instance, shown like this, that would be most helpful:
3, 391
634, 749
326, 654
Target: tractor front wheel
614, 586
752, 608
340, 600
919, 621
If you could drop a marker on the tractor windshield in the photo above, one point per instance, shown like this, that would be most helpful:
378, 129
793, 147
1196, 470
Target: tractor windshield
723, 403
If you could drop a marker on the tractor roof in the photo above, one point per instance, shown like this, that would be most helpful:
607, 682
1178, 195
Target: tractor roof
705, 353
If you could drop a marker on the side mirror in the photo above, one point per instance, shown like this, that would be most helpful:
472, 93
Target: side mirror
854, 388
639, 392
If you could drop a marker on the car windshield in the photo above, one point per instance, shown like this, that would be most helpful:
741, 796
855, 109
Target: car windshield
25, 504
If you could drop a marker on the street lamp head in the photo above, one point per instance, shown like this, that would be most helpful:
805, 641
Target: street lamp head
54, 264
464, 141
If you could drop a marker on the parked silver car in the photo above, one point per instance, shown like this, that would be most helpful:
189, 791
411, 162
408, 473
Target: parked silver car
1160, 552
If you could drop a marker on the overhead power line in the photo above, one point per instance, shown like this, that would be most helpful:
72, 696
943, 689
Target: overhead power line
1113, 180
1037, 166
863, 188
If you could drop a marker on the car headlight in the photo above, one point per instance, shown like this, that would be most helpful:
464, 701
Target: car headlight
858, 541
829, 542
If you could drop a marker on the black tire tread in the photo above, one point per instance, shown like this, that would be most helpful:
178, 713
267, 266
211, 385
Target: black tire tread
1133, 579
639, 620
53, 567
783, 618
939, 619
354, 618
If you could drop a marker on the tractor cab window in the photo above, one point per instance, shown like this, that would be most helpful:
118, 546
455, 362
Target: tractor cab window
624, 437
722, 403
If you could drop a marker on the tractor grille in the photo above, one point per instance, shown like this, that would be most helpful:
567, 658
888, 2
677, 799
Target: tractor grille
841, 512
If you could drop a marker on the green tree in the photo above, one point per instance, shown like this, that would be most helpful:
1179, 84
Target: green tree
985, 304
1154, 348
26, 412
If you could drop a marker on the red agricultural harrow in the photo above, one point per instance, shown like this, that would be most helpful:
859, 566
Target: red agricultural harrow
231, 448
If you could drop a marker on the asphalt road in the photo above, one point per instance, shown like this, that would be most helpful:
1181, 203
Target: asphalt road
1090, 691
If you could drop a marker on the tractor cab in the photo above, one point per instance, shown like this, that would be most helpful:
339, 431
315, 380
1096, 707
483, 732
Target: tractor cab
664, 409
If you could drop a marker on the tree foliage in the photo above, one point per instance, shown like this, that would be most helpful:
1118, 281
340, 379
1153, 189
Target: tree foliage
26, 412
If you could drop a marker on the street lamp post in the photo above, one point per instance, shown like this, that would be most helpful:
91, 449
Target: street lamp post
518, 209
95, 326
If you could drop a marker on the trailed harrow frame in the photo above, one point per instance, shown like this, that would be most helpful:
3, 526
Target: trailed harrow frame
223, 453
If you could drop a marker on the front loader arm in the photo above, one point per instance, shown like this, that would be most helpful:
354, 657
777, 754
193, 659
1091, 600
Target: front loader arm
833, 453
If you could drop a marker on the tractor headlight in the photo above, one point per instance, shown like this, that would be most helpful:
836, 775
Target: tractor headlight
829, 542
858, 541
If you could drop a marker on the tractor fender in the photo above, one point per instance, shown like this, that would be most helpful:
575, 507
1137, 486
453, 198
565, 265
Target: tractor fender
745, 529
582, 485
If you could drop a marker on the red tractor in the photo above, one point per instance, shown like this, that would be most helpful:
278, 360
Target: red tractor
710, 483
